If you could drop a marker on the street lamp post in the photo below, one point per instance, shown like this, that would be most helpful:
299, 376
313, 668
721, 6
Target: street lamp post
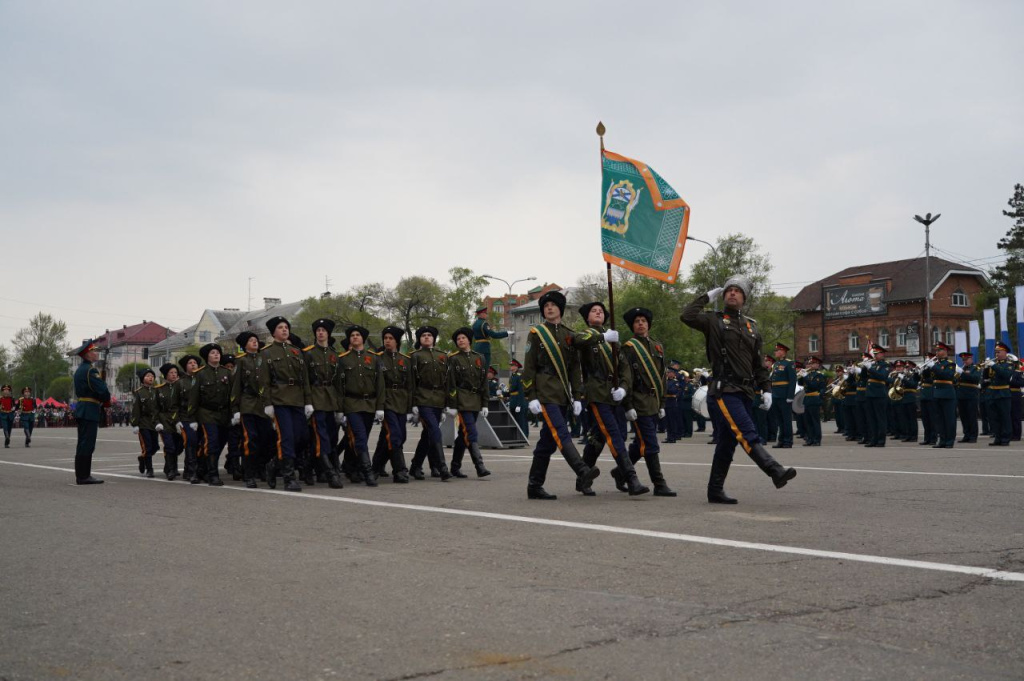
927, 221
715, 251
511, 342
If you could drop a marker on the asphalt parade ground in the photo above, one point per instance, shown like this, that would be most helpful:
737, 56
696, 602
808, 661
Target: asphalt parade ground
903, 562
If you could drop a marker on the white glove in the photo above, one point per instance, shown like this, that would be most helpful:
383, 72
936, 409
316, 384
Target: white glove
631, 415
577, 407
339, 418
308, 410
451, 412
135, 430
789, 401
159, 427
1012, 357
379, 414
511, 332
236, 418
618, 394
484, 412
180, 428
714, 294
611, 336
412, 418
535, 407
269, 410
194, 426
444, 415
766, 401
416, 412
518, 409
868, 363
856, 371
661, 413
959, 369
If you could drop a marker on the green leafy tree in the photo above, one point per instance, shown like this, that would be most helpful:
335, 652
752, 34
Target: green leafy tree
1011, 273
39, 352
59, 389
126, 380
5, 364
465, 289
413, 302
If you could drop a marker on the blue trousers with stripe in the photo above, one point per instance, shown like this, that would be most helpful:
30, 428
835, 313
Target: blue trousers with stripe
606, 429
322, 435
733, 414
291, 421
645, 438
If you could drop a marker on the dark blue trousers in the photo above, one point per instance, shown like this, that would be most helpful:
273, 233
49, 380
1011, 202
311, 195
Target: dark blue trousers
554, 431
430, 421
812, 423
360, 423
28, 423
86, 446
257, 434
149, 443
7, 420
783, 412
645, 438
733, 414
394, 429
969, 417
606, 423
212, 438
945, 410
291, 427
321, 433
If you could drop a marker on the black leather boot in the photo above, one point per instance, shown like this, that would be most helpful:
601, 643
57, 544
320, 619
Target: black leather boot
535, 481
308, 474
249, 471
442, 467
331, 473
478, 460
458, 451
288, 475
197, 470
716, 483
142, 465
235, 464
661, 489
172, 466
369, 475
213, 475
400, 473
271, 472
379, 460
584, 474
627, 473
149, 467
779, 475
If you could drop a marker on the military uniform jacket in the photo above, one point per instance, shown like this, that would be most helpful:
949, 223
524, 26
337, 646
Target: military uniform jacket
429, 378
878, 376
360, 382
542, 379
814, 383
969, 383
92, 392
999, 374
145, 410
516, 398
742, 369
644, 382
8, 404
168, 402
783, 379
910, 388
467, 381
184, 394
482, 334
247, 385
850, 388
927, 388
286, 381
27, 405
396, 369
322, 365
209, 400
597, 364
943, 374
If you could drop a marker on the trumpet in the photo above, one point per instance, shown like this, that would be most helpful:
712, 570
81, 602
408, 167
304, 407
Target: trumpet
836, 388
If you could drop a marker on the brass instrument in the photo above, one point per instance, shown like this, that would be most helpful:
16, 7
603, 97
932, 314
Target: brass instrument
836, 388
897, 390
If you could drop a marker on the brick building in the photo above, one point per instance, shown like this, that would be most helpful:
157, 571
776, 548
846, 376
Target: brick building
884, 303
500, 306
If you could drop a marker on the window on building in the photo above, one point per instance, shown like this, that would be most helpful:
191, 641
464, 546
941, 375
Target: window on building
949, 336
812, 343
935, 335
883, 337
854, 341
204, 336
959, 298
901, 337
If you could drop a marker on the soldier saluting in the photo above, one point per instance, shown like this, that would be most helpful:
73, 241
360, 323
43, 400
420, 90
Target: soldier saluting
734, 350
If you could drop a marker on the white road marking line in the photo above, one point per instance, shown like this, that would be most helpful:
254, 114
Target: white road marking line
990, 573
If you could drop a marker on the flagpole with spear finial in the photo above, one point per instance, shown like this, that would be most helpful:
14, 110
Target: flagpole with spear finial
611, 296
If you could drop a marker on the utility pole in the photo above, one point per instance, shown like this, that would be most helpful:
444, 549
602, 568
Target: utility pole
249, 307
927, 221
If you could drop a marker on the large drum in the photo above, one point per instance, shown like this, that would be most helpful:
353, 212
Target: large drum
700, 402
798, 400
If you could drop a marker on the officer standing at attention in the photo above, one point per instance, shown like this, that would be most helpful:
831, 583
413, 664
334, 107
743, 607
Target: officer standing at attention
482, 335
814, 382
944, 372
322, 366
642, 376
554, 386
673, 390
467, 398
734, 350
968, 390
517, 397
92, 393
783, 381
999, 373
929, 419
145, 418
877, 394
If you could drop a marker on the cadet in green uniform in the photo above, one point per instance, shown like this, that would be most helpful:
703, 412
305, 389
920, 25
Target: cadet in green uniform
429, 395
168, 400
288, 400
144, 419
361, 388
190, 437
482, 335
603, 395
467, 398
999, 373
783, 380
396, 368
209, 412
92, 394
733, 346
814, 382
554, 386
944, 372
248, 404
642, 376
517, 396
968, 391
322, 368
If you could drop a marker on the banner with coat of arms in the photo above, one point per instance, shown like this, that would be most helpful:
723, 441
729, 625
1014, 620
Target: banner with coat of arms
643, 220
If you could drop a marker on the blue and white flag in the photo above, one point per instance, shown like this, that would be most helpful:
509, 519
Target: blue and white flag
1004, 303
975, 337
990, 332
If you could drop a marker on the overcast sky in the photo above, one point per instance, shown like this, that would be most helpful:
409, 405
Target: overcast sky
154, 156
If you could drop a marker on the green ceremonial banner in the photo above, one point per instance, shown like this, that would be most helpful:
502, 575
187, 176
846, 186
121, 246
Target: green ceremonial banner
643, 220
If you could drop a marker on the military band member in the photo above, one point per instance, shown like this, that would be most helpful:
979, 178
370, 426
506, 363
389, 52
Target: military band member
734, 350
168, 401
877, 370
429, 395
1016, 385
396, 369
999, 371
849, 389
908, 405
929, 419
92, 394
322, 366
190, 365
783, 379
482, 335
467, 399
517, 396
642, 376
944, 373
554, 386
361, 389
8, 406
209, 412
285, 386
248, 407
27, 414
837, 404
603, 395
144, 420
673, 389
814, 382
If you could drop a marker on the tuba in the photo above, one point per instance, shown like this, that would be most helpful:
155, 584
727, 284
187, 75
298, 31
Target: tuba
896, 391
